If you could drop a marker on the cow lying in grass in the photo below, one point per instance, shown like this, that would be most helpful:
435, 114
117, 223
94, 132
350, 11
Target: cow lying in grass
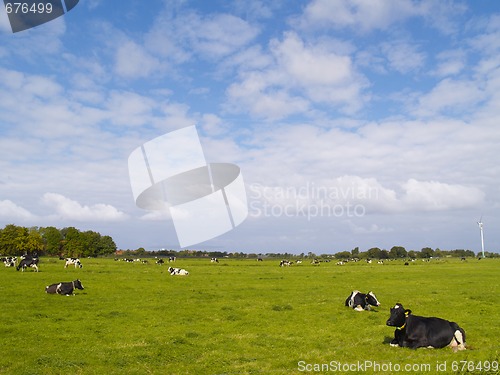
414, 331
359, 301
177, 271
64, 288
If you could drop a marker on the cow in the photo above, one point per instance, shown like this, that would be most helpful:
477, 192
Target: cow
177, 271
171, 259
285, 263
73, 261
64, 288
359, 301
160, 261
28, 261
414, 331
9, 261
214, 260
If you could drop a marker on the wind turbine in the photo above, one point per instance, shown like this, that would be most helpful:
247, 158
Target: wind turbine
480, 223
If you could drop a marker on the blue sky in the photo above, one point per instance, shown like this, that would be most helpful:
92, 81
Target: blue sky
354, 123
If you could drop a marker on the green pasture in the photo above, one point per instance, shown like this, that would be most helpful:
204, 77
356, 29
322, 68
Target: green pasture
241, 317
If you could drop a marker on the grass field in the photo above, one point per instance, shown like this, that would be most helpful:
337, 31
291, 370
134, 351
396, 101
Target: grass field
241, 317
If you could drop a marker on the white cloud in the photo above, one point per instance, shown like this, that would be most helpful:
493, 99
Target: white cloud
364, 16
454, 96
450, 62
128, 108
357, 14
297, 76
68, 209
133, 61
436, 196
403, 57
11, 211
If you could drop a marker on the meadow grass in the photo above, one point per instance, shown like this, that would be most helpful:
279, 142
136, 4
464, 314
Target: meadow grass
238, 317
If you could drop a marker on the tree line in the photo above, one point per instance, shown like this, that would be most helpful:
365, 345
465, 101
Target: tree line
66, 242
396, 252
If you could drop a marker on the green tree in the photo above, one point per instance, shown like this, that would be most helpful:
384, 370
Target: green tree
374, 252
73, 242
106, 245
16, 240
426, 252
343, 255
398, 252
52, 239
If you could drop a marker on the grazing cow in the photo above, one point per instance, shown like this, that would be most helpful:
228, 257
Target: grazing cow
9, 261
160, 261
73, 261
28, 261
214, 260
177, 271
359, 301
285, 263
64, 288
259, 260
414, 331
171, 259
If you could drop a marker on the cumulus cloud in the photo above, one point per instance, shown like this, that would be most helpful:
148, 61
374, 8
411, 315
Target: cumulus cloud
356, 196
68, 209
296, 76
134, 61
452, 96
403, 56
358, 14
11, 211
365, 16
438, 196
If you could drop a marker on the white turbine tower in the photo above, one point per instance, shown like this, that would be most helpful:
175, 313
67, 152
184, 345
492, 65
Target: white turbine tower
480, 223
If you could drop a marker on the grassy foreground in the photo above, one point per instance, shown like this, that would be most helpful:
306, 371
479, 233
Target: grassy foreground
242, 317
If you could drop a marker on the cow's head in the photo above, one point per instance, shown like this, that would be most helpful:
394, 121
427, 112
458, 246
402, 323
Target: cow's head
77, 284
372, 300
398, 316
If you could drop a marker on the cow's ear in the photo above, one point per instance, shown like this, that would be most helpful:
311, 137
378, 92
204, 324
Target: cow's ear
407, 312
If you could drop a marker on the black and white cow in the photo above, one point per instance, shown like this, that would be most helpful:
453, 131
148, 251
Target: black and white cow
285, 263
171, 259
214, 260
359, 301
160, 261
177, 271
73, 261
9, 261
64, 288
28, 261
414, 331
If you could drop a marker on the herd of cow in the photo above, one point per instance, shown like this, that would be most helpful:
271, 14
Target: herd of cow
62, 288
412, 331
